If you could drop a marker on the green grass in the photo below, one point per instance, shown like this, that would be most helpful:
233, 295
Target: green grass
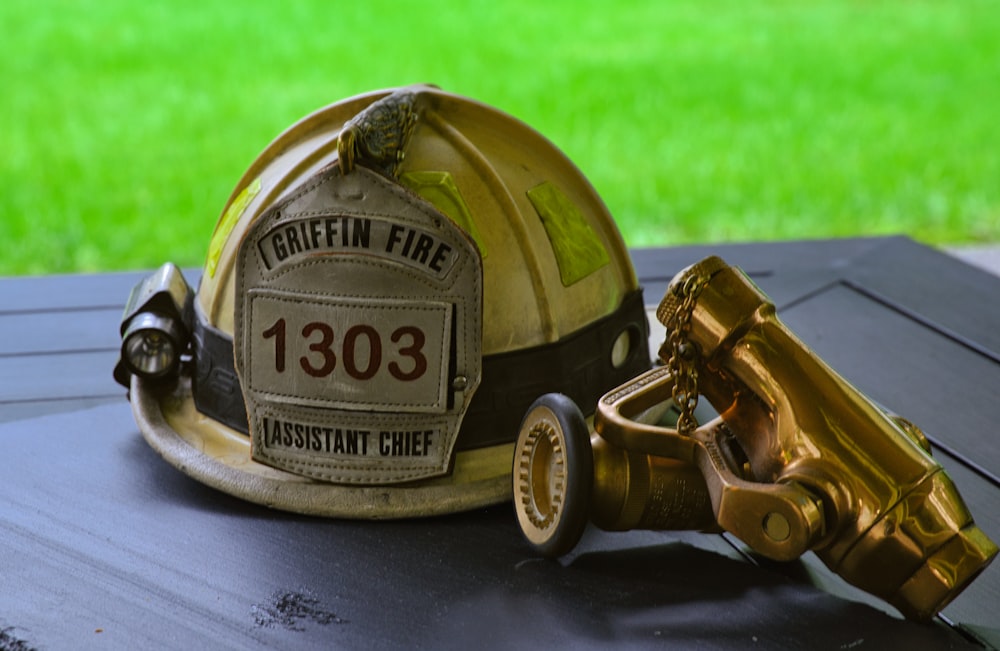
124, 125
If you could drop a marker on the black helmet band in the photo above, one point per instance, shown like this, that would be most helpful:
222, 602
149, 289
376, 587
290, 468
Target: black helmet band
511, 381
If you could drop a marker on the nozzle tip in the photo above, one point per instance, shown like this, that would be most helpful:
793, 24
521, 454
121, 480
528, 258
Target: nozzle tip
945, 573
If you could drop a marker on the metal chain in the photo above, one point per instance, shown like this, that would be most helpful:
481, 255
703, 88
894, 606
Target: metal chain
681, 362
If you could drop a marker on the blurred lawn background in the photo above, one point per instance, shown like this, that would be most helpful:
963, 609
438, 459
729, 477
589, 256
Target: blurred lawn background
124, 125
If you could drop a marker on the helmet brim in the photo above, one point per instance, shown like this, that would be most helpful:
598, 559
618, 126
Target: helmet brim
219, 457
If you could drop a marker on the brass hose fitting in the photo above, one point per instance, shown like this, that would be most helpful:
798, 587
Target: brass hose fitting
798, 459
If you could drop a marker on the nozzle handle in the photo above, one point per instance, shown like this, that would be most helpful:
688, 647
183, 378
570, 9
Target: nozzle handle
780, 520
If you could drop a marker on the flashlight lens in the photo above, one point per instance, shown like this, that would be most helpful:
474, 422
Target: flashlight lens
150, 346
150, 353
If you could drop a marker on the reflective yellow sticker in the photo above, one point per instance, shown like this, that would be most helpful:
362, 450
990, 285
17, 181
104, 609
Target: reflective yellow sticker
225, 227
578, 249
439, 188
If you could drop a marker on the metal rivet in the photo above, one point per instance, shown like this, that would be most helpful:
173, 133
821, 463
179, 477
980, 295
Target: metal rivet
776, 526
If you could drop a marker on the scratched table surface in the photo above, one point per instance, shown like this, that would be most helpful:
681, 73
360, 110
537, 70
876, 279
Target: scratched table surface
104, 545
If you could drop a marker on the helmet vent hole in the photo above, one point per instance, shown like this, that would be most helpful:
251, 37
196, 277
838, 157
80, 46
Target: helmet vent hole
623, 347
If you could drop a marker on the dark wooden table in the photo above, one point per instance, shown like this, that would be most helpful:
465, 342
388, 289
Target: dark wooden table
104, 545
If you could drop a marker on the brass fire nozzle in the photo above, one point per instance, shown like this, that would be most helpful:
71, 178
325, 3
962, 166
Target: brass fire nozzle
797, 460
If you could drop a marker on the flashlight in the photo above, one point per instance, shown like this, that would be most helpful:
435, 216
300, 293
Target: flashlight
154, 326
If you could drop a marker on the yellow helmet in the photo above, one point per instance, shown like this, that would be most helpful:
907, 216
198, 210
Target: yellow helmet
393, 282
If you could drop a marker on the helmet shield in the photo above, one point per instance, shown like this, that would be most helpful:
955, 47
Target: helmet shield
357, 331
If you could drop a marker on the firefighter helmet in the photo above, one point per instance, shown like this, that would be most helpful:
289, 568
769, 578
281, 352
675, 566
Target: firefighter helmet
393, 281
